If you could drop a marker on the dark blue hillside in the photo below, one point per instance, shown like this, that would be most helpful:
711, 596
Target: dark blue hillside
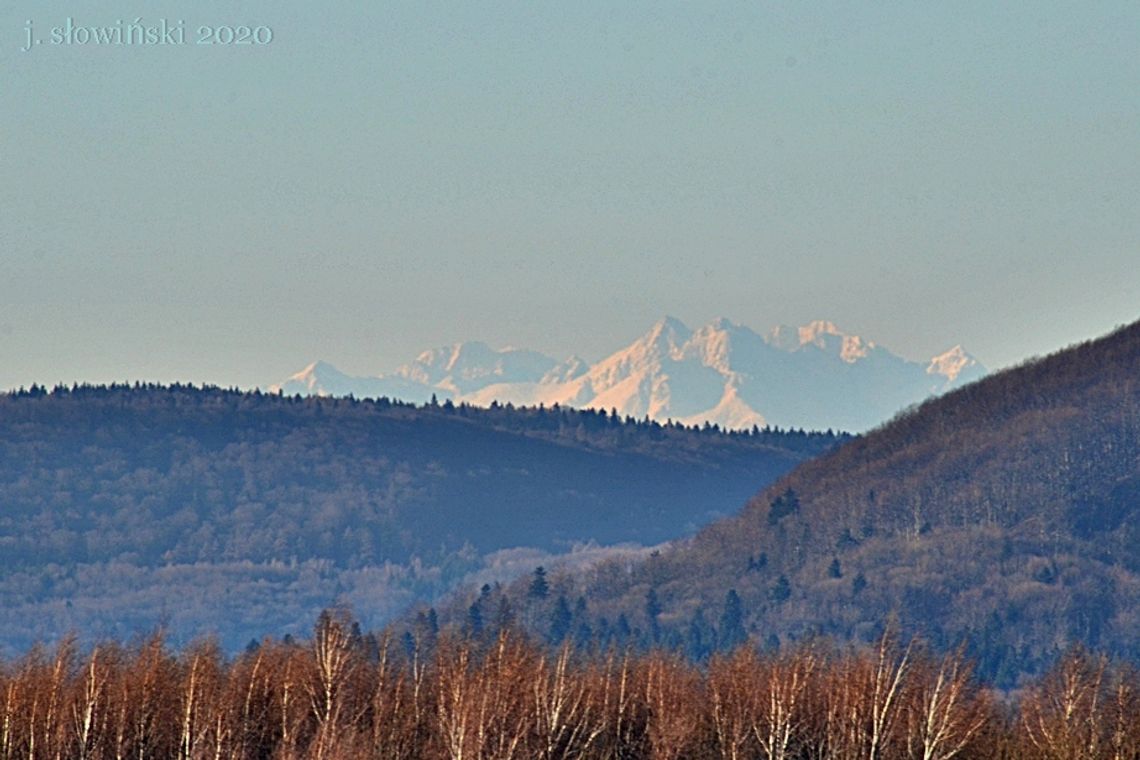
102, 489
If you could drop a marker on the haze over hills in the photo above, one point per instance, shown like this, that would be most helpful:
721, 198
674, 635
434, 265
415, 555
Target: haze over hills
246, 513
812, 377
1003, 514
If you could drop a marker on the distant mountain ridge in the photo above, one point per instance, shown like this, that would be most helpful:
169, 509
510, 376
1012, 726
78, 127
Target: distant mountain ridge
815, 376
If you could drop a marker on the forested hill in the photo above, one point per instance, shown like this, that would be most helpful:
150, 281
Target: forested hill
1004, 514
246, 513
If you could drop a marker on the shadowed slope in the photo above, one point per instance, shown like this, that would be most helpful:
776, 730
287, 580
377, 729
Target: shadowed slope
1004, 513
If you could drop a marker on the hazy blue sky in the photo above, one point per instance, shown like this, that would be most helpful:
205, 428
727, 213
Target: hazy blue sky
386, 177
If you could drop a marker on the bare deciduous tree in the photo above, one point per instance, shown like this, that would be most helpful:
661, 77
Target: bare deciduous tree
566, 725
864, 696
734, 700
672, 692
1063, 718
781, 721
335, 660
946, 711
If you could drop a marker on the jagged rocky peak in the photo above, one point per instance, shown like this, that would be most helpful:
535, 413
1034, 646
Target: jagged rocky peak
813, 376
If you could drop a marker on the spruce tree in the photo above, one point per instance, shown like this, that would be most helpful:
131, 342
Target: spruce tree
731, 633
539, 588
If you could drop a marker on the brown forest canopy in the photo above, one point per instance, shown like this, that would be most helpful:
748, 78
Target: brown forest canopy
340, 694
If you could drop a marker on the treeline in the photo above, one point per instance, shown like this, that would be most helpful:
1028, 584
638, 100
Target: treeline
342, 694
596, 427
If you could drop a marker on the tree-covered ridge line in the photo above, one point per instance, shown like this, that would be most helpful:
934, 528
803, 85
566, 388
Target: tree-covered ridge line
125, 505
585, 427
342, 693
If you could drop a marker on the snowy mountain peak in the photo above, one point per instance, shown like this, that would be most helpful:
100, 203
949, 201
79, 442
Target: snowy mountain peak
472, 355
464, 367
566, 371
713, 344
316, 372
669, 322
955, 363
814, 332
664, 340
668, 332
320, 379
823, 335
448, 358
854, 348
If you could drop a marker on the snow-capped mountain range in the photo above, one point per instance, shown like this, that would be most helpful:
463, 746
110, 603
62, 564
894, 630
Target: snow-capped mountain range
814, 376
